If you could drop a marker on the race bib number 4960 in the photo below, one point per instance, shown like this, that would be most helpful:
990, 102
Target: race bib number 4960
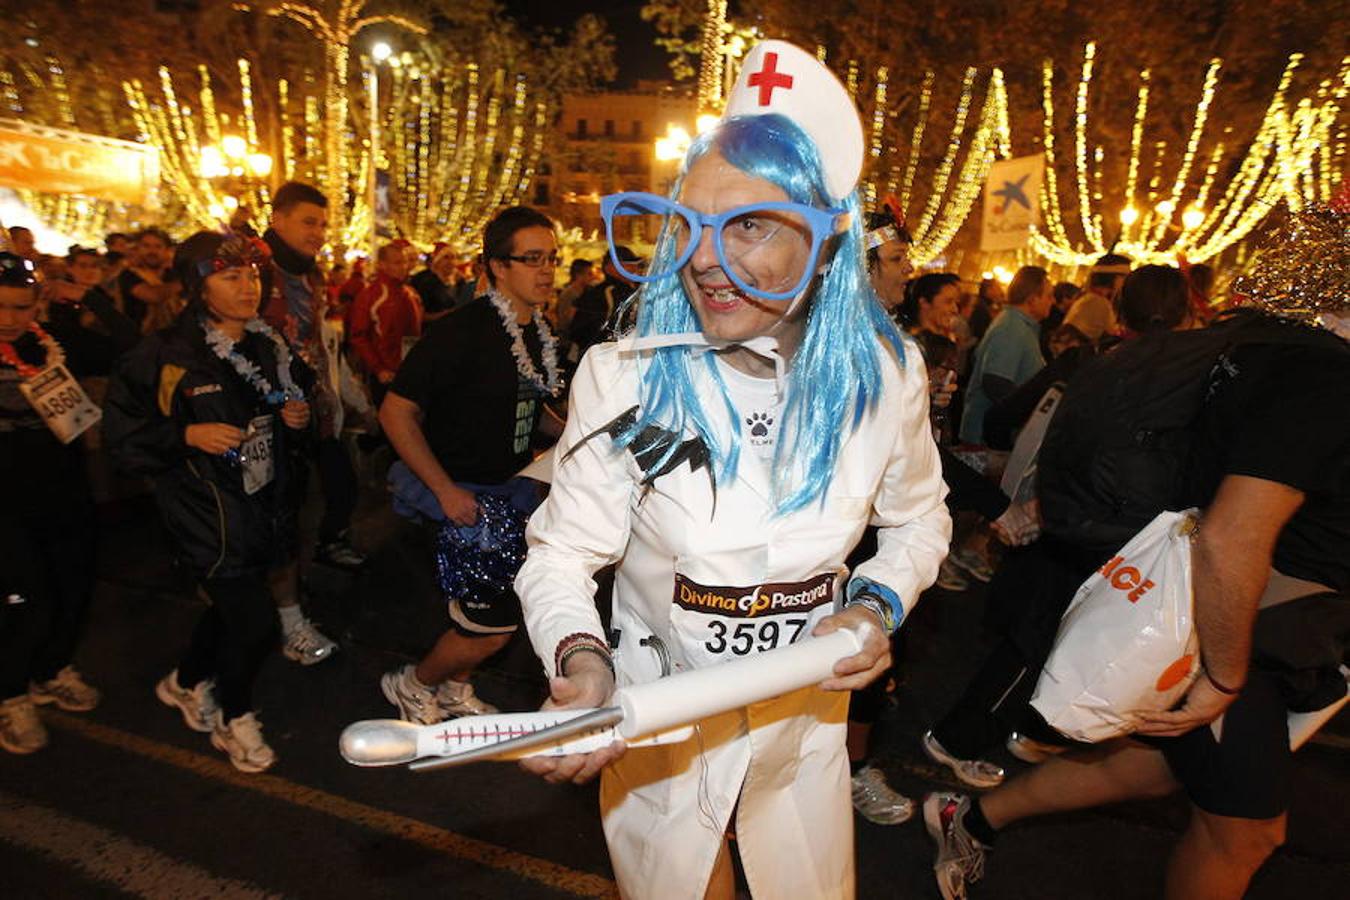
744, 620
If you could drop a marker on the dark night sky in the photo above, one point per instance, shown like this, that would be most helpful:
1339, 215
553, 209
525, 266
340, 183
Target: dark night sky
635, 54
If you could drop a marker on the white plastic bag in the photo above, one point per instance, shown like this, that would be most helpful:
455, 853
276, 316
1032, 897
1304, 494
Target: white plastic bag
1127, 642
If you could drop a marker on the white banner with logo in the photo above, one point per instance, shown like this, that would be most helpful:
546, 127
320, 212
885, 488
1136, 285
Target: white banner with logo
1012, 202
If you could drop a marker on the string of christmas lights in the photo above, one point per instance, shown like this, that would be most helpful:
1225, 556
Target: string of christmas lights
953, 190
1295, 155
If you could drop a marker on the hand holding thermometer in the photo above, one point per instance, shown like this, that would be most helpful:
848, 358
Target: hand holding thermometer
658, 712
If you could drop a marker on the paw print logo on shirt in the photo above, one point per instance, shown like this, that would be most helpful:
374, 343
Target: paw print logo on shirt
759, 423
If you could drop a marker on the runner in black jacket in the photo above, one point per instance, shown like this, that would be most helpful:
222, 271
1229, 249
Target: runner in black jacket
213, 410
47, 521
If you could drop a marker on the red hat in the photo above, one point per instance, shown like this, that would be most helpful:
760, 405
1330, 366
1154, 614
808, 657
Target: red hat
440, 248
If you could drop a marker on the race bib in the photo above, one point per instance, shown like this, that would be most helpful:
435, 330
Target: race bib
720, 623
61, 402
259, 466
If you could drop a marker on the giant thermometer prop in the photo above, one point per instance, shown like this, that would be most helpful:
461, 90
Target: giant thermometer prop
658, 712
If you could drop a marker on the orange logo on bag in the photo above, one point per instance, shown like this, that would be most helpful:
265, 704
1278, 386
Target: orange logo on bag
1126, 578
1173, 674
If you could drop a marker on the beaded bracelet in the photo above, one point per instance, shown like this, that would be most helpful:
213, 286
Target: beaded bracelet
576, 643
889, 607
878, 606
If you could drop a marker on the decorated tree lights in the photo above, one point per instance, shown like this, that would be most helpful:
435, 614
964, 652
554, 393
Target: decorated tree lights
953, 190
1296, 155
335, 24
460, 146
207, 165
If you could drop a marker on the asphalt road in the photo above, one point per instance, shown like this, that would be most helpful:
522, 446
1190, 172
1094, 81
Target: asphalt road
127, 802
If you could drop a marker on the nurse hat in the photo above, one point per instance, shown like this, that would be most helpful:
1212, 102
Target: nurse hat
778, 77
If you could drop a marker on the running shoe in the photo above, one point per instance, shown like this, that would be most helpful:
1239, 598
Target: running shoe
340, 554
1031, 751
876, 802
306, 645
67, 690
21, 731
950, 577
457, 698
973, 563
960, 858
975, 772
241, 739
416, 702
197, 704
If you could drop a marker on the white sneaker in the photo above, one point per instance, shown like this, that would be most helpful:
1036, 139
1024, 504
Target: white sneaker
67, 690
307, 645
1031, 751
241, 738
876, 802
21, 731
416, 702
457, 698
975, 772
197, 705
960, 858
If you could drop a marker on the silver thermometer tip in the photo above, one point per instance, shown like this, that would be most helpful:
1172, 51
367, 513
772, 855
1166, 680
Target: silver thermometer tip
379, 742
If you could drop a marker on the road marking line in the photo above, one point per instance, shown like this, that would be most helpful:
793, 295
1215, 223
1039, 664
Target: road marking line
439, 840
112, 858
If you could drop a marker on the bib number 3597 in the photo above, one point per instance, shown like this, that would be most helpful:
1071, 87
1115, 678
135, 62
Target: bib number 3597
743, 638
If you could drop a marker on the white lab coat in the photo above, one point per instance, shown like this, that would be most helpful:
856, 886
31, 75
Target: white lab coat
666, 808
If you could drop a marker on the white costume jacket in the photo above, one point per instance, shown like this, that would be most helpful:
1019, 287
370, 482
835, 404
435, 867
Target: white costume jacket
712, 575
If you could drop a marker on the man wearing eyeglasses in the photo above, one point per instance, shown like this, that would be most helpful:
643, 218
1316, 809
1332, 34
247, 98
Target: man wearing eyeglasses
462, 413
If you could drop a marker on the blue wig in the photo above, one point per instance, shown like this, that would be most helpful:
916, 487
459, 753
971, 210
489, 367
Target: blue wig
835, 374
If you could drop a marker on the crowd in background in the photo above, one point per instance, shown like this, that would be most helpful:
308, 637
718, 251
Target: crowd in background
242, 429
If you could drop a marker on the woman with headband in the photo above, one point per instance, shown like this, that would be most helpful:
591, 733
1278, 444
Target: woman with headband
213, 410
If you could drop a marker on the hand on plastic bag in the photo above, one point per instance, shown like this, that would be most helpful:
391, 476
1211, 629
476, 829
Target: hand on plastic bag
1201, 705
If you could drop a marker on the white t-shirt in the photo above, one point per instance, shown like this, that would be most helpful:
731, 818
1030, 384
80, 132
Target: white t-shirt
760, 410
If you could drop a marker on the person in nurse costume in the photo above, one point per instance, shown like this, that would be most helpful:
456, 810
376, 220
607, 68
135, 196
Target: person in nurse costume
727, 455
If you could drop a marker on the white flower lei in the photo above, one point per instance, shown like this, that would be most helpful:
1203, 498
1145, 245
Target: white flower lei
548, 345
225, 349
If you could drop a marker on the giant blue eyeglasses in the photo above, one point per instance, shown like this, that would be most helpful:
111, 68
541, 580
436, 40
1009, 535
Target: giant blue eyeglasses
768, 250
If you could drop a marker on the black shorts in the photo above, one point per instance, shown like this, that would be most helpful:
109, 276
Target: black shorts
1246, 772
483, 617
498, 613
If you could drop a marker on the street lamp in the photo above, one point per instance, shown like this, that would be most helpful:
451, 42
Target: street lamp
379, 52
673, 145
1193, 218
1128, 216
232, 169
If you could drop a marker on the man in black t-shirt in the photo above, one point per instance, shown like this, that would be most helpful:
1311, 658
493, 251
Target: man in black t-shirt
1271, 584
461, 414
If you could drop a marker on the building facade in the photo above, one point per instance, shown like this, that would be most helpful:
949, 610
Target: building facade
605, 142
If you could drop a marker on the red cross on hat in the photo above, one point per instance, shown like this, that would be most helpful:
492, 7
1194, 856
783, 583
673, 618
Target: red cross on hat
779, 78
769, 78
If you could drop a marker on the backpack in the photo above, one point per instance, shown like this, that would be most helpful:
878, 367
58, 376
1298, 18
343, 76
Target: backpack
1119, 448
